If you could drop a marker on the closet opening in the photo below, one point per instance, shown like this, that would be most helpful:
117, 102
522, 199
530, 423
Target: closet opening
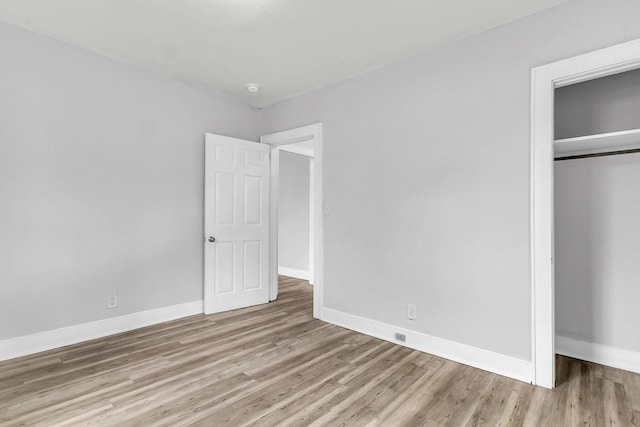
596, 208
545, 80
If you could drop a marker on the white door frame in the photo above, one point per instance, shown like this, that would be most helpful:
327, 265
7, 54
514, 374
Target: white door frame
276, 140
544, 80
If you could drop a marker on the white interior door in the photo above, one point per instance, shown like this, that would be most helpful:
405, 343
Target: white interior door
236, 247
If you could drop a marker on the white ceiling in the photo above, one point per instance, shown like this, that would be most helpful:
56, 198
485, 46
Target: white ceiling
289, 47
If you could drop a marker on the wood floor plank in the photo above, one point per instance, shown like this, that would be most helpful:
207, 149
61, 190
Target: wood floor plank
597, 401
275, 365
522, 404
463, 398
492, 403
573, 407
538, 413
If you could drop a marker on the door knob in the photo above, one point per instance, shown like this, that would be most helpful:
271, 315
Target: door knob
212, 239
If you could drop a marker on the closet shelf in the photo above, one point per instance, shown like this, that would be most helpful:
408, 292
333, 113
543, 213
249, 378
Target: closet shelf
600, 143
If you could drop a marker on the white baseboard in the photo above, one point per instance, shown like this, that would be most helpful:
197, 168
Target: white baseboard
605, 355
501, 364
293, 272
47, 340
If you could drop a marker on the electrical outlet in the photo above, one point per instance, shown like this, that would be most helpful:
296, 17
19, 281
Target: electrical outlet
411, 311
401, 337
112, 301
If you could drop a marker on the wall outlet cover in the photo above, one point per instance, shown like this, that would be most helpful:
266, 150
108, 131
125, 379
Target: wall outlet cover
112, 301
411, 311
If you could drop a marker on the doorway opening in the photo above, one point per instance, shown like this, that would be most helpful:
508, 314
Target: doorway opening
304, 141
545, 80
295, 207
596, 204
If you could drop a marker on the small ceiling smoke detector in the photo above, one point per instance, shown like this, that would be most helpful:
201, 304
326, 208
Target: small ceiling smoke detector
253, 87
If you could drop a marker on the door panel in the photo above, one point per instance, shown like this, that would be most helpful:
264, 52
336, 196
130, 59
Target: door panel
236, 215
223, 271
225, 193
252, 200
252, 255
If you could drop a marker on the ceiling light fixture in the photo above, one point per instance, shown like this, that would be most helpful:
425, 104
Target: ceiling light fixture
253, 87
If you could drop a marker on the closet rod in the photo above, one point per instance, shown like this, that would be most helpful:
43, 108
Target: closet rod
608, 153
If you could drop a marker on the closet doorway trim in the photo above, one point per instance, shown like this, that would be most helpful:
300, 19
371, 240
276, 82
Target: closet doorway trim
544, 80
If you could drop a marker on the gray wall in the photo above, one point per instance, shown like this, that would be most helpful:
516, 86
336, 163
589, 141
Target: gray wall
293, 212
597, 206
608, 104
427, 174
101, 184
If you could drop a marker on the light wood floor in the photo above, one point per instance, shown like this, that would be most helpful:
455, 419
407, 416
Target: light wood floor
274, 365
